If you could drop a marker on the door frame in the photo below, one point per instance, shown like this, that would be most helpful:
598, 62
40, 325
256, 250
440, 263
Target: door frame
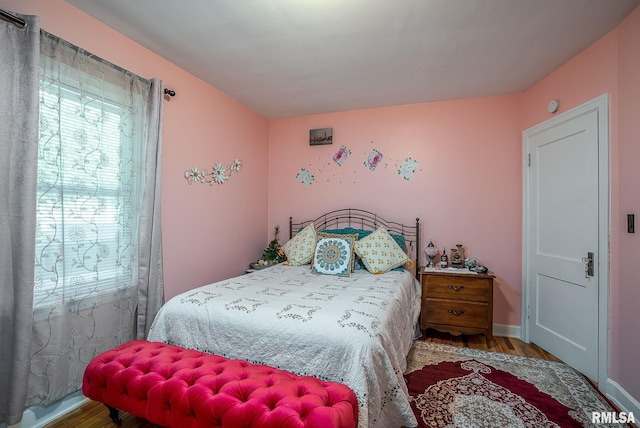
601, 105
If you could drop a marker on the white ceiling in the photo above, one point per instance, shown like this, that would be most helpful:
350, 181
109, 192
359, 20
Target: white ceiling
285, 58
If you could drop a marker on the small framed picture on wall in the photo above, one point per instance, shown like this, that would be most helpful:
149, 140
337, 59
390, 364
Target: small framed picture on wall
320, 136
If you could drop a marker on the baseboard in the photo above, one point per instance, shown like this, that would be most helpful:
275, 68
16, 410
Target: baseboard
38, 417
622, 398
504, 330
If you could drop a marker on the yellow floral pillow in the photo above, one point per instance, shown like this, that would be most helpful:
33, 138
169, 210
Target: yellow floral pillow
380, 252
300, 248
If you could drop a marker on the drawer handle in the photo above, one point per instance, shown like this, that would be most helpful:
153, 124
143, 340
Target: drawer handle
456, 313
456, 288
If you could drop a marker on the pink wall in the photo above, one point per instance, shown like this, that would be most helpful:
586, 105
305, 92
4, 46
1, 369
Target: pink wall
467, 189
626, 295
591, 73
611, 65
209, 233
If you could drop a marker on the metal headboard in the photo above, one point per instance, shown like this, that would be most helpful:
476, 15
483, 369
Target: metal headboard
361, 219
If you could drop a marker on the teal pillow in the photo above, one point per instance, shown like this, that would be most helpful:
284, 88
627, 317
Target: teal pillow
348, 231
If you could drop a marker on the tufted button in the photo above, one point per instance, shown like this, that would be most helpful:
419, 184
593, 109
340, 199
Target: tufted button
272, 403
215, 389
303, 413
302, 391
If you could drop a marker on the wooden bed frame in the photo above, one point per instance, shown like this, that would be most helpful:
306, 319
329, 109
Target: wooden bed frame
361, 219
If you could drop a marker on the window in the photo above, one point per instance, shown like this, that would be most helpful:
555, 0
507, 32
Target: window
88, 181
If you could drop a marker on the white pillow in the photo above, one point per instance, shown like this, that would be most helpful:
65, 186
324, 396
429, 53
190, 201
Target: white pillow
299, 249
333, 255
380, 252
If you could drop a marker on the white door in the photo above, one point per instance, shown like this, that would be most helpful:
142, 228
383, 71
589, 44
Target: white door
562, 237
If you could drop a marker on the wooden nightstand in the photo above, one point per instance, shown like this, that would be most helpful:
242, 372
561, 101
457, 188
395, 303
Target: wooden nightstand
457, 303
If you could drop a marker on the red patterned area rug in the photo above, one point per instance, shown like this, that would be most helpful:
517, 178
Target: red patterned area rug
462, 387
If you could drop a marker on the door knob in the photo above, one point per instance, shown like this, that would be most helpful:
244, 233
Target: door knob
588, 265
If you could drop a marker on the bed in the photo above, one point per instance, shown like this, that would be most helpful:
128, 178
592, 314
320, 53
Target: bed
355, 329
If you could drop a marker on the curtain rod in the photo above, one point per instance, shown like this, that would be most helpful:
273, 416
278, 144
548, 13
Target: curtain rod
12, 18
21, 22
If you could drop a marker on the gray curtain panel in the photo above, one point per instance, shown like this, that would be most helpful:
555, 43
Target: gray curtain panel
150, 273
19, 80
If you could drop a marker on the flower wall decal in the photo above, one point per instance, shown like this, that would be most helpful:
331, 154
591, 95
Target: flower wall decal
408, 168
218, 175
305, 177
373, 159
341, 155
194, 174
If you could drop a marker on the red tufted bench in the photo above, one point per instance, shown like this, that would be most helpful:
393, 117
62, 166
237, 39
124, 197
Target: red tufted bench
174, 387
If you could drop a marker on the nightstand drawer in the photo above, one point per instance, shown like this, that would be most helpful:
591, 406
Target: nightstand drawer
458, 288
456, 313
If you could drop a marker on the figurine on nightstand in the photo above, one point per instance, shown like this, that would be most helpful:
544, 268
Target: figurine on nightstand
470, 263
444, 260
474, 266
457, 256
431, 251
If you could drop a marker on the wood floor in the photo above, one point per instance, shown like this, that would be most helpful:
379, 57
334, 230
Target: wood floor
95, 415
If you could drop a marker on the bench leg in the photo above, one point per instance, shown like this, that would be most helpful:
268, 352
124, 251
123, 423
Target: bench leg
114, 415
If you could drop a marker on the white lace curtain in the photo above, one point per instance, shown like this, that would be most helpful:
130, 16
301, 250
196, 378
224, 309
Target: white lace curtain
98, 278
96, 187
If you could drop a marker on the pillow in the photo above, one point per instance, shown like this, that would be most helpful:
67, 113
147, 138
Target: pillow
358, 264
347, 232
299, 249
333, 255
334, 234
380, 252
357, 233
400, 241
360, 233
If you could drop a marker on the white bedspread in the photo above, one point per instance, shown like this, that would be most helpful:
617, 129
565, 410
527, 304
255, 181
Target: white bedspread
355, 330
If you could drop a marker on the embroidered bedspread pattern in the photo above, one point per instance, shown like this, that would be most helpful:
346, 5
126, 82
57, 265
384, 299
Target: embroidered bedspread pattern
354, 330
